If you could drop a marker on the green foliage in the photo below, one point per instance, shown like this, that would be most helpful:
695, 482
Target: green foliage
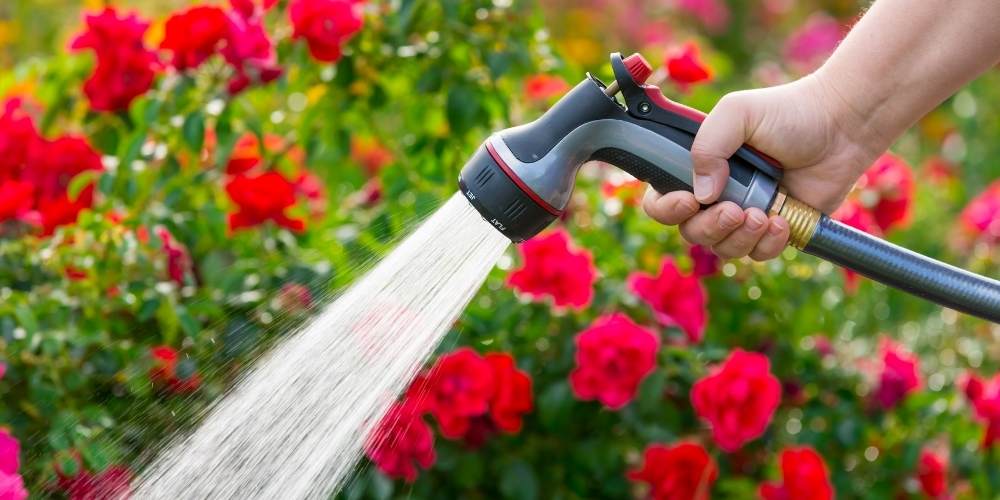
429, 80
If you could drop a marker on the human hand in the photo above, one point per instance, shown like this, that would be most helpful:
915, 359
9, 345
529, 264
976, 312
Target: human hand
823, 144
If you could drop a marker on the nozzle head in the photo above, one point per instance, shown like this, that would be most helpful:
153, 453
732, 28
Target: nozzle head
501, 198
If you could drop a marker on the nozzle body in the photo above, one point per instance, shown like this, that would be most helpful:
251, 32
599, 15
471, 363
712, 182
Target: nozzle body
648, 136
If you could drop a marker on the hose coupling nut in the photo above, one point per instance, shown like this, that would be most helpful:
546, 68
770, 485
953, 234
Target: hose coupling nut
802, 219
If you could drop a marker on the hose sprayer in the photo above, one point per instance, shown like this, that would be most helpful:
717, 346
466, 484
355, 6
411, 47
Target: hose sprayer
521, 180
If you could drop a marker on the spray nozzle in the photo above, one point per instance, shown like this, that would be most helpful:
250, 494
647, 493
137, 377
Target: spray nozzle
521, 179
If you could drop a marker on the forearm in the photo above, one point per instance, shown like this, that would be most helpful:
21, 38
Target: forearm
904, 57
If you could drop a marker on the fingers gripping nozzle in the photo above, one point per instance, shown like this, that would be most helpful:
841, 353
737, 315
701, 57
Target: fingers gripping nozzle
521, 179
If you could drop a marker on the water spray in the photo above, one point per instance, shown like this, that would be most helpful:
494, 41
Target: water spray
520, 180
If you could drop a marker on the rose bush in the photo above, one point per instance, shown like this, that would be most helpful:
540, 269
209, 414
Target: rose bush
182, 184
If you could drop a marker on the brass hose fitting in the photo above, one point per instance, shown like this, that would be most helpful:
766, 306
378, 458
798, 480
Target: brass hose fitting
802, 219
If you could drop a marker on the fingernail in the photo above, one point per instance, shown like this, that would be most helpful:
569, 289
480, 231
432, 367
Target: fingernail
755, 221
703, 187
775, 228
729, 219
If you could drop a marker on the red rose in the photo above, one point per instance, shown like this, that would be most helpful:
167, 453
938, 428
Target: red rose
401, 441
16, 198
985, 398
932, 471
542, 88
310, 187
613, 356
686, 68
551, 267
512, 394
684, 471
886, 190
805, 477
370, 154
10, 451
193, 35
125, 67
676, 299
706, 263
250, 52
456, 389
811, 44
62, 210
112, 482
164, 372
250, 8
294, 297
853, 214
472, 396
178, 260
53, 164
261, 198
738, 399
325, 25
900, 375
713, 14
17, 138
981, 217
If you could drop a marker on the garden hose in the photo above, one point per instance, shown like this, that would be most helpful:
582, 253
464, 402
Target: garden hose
520, 180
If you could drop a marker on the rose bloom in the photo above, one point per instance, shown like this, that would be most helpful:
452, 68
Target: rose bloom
512, 397
809, 46
981, 217
984, 395
899, 377
164, 371
401, 442
886, 189
457, 388
706, 263
193, 35
683, 471
111, 483
713, 14
178, 260
16, 199
11, 484
17, 138
677, 299
247, 153
613, 356
853, 214
737, 399
125, 67
685, 67
250, 52
543, 88
804, 475
624, 187
249, 8
325, 25
260, 198
551, 267
370, 154
932, 472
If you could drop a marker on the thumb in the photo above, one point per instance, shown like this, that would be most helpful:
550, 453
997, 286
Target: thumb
720, 135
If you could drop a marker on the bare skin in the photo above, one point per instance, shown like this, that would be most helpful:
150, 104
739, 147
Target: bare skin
899, 62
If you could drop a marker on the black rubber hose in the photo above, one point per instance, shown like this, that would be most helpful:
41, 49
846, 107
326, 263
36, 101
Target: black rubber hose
901, 268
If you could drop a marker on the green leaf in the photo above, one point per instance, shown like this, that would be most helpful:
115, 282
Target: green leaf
194, 130
26, 318
79, 182
518, 481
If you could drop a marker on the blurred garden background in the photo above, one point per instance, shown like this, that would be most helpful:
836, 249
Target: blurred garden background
183, 182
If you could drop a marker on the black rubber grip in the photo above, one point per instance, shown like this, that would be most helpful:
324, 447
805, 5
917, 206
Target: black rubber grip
641, 169
898, 267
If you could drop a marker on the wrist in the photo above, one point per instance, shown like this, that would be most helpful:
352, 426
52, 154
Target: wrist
854, 113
